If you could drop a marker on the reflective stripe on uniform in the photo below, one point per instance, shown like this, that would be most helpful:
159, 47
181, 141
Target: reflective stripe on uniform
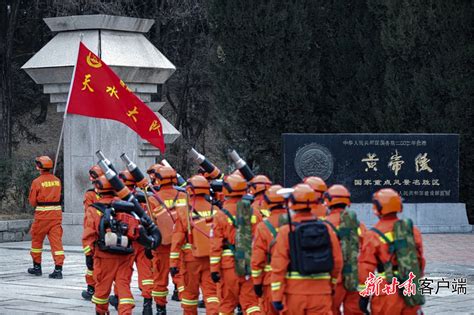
186, 246
215, 260
361, 287
159, 293
126, 301
276, 286
265, 212
36, 250
96, 300
388, 235
181, 288
268, 268
382, 274
48, 208
89, 272
334, 280
86, 249
212, 299
174, 255
359, 232
256, 273
59, 253
147, 282
253, 309
253, 219
297, 276
189, 302
227, 252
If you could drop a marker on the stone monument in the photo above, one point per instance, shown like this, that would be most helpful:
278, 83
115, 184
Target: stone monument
121, 44
423, 168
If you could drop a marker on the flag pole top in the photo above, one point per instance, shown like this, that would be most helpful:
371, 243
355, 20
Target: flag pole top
99, 22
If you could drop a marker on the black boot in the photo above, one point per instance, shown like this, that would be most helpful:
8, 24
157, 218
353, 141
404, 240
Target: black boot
147, 307
201, 304
36, 270
57, 273
175, 296
113, 300
160, 309
239, 310
87, 294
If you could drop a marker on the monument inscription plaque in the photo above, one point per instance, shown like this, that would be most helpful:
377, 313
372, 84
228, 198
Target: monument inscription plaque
422, 167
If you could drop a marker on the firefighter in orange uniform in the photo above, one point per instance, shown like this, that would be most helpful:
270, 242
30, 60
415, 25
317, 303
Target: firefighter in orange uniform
164, 205
319, 187
262, 248
293, 292
386, 204
257, 187
90, 197
108, 267
192, 229
142, 260
234, 289
337, 199
45, 197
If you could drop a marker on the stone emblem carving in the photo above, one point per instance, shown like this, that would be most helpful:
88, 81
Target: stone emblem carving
314, 160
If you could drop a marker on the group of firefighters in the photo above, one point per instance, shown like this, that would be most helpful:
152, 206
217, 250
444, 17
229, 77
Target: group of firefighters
296, 261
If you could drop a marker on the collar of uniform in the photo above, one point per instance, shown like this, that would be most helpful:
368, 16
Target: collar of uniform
303, 216
277, 212
389, 217
337, 210
167, 187
106, 199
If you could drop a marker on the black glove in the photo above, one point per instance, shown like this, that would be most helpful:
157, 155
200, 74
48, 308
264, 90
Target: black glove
278, 306
90, 262
216, 277
258, 288
148, 253
364, 304
174, 271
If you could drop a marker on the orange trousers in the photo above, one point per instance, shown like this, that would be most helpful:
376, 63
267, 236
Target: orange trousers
266, 301
349, 300
53, 229
391, 305
161, 269
145, 273
296, 304
197, 274
90, 277
107, 271
235, 290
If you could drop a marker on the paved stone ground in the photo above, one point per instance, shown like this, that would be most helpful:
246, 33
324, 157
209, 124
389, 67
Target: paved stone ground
449, 257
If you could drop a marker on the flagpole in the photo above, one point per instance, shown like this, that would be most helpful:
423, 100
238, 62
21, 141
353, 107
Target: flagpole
65, 110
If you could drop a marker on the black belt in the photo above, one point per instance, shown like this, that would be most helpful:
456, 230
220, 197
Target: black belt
48, 203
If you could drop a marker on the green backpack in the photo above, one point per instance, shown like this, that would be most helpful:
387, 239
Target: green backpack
349, 239
404, 248
243, 237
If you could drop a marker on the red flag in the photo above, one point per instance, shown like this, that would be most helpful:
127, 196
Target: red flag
97, 91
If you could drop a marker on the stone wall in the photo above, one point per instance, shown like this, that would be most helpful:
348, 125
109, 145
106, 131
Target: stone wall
15, 230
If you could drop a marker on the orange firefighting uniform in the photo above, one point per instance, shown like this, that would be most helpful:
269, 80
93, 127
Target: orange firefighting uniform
89, 198
303, 294
350, 300
262, 249
45, 197
375, 250
260, 207
234, 289
161, 256
108, 268
319, 210
195, 270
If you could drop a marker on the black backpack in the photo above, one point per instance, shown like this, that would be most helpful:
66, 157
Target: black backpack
310, 248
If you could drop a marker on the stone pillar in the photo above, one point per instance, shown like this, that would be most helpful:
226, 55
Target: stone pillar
120, 42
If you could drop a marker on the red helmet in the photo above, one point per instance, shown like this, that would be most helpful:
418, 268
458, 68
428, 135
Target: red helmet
317, 183
259, 183
237, 172
166, 175
272, 198
234, 185
151, 171
127, 178
387, 201
198, 185
303, 197
94, 172
337, 194
44, 162
102, 184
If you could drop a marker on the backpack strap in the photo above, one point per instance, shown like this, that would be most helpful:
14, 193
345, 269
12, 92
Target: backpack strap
231, 217
100, 206
271, 228
333, 227
385, 238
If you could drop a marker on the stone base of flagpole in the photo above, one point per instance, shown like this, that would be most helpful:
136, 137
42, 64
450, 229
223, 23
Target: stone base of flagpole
120, 42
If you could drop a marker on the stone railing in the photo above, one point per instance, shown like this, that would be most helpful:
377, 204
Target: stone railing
15, 230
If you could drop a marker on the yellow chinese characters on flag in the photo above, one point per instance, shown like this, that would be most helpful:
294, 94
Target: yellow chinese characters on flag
96, 91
